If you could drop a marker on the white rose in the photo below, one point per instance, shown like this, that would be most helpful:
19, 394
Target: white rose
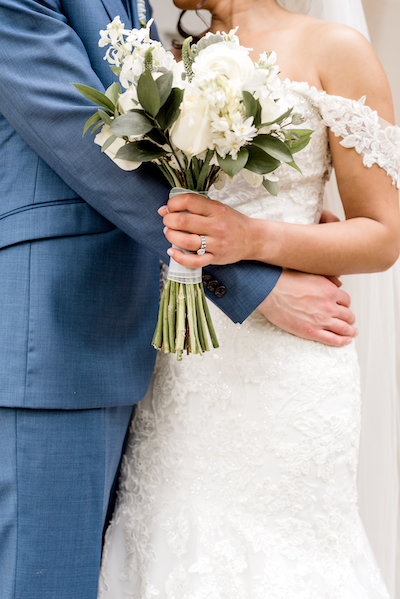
111, 151
270, 110
226, 58
191, 132
127, 100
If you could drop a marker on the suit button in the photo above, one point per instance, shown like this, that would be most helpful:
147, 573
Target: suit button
220, 291
206, 279
212, 285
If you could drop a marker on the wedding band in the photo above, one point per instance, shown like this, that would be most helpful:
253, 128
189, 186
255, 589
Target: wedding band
202, 249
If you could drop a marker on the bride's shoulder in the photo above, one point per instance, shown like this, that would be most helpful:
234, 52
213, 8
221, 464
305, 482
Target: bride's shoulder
348, 65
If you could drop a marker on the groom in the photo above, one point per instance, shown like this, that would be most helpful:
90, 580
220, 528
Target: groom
80, 242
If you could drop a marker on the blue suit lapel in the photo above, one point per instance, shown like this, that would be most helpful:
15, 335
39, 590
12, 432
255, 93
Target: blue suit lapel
116, 7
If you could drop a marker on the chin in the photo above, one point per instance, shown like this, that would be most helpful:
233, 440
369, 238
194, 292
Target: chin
187, 4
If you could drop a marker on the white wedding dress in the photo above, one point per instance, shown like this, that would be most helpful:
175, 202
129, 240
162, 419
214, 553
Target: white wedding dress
239, 480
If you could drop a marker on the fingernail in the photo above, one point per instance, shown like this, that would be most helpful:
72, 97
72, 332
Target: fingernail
349, 341
170, 252
161, 209
165, 229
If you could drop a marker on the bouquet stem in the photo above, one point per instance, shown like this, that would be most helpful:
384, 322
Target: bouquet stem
184, 320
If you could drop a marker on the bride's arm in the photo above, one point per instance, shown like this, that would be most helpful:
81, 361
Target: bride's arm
369, 239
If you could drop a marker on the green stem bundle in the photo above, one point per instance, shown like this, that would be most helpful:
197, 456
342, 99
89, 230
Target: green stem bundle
184, 320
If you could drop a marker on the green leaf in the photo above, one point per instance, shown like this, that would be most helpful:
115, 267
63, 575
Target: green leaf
274, 147
116, 70
113, 92
99, 124
156, 136
304, 136
271, 186
104, 117
95, 96
294, 165
164, 85
140, 151
93, 119
232, 167
250, 103
108, 143
171, 109
148, 93
259, 162
279, 120
131, 123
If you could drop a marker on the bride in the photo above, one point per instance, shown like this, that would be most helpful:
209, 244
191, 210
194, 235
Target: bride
239, 479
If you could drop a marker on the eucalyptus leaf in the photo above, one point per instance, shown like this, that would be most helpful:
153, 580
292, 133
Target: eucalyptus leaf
259, 162
250, 104
271, 186
95, 96
140, 151
303, 135
131, 123
91, 121
171, 109
156, 136
279, 120
108, 143
116, 70
232, 167
104, 117
113, 92
274, 147
148, 94
164, 85
295, 166
97, 126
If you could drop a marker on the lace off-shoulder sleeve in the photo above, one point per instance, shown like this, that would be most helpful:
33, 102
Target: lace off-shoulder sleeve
361, 128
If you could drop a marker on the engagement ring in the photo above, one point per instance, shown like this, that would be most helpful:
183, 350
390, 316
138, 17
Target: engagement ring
202, 249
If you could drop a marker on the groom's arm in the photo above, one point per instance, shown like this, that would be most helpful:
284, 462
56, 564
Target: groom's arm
40, 56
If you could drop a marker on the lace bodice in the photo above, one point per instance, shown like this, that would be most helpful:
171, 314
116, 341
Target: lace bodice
300, 195
239, 479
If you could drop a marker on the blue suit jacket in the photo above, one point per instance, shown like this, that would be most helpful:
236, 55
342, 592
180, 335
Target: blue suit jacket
80, 239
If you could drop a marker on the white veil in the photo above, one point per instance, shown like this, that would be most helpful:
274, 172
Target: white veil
376, 302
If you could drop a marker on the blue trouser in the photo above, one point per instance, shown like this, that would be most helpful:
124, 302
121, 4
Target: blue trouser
56, 472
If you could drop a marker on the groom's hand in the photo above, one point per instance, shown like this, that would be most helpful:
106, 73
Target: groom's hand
312, 307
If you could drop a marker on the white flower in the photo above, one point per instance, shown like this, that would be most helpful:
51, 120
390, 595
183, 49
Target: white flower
252, 178
228, 59
270, 111
191, 132
256, 180
222, 180
128, 100
111, 151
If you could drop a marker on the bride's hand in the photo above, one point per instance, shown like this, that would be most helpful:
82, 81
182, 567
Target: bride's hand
227, 232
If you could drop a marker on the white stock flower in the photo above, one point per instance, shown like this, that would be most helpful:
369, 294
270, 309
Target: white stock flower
111, 151
228, 59
191, 132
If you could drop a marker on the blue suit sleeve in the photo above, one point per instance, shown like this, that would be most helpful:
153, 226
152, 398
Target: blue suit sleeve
41, 55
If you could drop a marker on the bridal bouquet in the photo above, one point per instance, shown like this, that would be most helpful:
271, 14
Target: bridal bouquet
201, 121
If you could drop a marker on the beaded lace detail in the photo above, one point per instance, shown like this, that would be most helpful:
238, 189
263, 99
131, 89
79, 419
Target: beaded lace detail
360, 128
239, 480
